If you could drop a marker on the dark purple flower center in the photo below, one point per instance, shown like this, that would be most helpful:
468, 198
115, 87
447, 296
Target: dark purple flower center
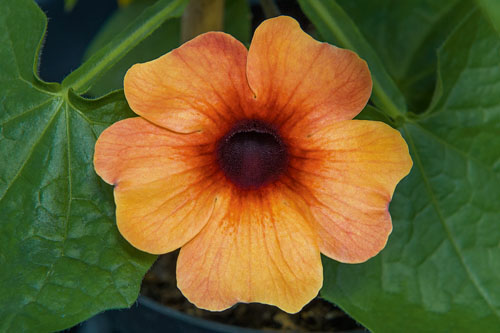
252, 154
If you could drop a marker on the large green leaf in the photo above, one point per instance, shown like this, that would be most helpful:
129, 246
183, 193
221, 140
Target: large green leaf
440, 271
61, 256
406, 35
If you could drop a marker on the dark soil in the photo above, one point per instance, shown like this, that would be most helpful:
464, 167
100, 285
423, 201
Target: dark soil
318, 316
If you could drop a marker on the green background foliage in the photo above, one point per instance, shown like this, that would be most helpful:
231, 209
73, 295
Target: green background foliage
167, 37
61, 256
405, 35
436, 71
440, 271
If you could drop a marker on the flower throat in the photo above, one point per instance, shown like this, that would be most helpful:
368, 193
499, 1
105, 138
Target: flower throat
252, 155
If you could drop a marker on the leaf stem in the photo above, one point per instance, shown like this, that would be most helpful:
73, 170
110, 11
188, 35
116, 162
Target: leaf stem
152, 18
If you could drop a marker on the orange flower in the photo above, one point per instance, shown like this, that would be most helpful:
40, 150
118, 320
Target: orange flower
250, 163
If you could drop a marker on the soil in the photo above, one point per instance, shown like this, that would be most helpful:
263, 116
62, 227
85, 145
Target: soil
159, 284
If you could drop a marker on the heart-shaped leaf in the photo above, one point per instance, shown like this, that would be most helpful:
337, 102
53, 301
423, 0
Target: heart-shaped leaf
440, 271
61, 256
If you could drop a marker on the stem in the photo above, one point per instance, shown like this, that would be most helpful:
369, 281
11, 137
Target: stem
201, 16
152, 18
270, 9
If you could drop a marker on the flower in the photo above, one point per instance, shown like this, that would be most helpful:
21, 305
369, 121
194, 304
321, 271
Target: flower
250, 163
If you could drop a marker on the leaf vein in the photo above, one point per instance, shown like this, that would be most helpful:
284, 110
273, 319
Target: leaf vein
435, 205
28, 111
32, 150
458, 150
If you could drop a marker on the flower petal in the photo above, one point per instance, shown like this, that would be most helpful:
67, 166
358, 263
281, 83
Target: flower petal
162, 216
262, 250
302, 80
140, 152
165, 183
347, 172
201, 86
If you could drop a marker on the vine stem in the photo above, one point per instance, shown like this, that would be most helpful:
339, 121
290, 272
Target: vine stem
151, 19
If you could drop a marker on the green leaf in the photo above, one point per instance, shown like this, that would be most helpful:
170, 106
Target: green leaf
372, 113
440, 271
238, 20
406, 35
151, 19
164, 39
61, 257
335, 26
491, 9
